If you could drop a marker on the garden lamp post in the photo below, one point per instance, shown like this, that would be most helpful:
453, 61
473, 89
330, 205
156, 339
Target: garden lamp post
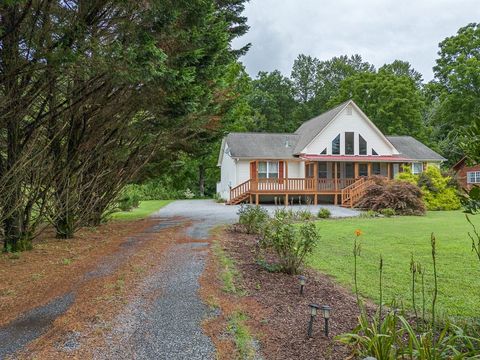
313, 312
302, 280
326, 315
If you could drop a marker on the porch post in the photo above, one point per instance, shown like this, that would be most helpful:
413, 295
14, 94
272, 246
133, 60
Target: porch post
315, 176
336, 182
389, 174
286, 199
369, 169
256, 199
356, 170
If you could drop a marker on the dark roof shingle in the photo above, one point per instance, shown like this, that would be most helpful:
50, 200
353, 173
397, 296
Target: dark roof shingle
261, 145
311, 128
413, 149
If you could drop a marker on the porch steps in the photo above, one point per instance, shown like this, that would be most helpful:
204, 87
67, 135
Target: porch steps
352, 194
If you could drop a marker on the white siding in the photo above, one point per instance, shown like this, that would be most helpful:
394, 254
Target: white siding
352, 123
243, 171
296, 169
228, 173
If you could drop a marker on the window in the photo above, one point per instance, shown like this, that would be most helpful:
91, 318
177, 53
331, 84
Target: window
362, 169
349, 143
349, 171
322, 170
417, 168
324, 152
336, 145
473, 177
374, 152
268, 169
376, 169
362, 143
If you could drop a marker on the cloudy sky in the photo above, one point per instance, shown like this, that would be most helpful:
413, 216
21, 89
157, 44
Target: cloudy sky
379, 30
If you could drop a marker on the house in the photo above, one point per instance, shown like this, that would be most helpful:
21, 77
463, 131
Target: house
328, 158
467, 176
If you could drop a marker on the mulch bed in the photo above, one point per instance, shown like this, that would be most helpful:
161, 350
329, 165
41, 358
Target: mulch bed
281, 314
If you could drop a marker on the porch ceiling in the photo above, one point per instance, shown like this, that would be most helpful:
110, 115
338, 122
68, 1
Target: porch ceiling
355, 158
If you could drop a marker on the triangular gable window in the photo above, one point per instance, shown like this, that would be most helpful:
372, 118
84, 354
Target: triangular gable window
362, 145
336, 145
374, 152
324, 152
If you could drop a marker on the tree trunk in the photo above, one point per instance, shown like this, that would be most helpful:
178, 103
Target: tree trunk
15, 238
201, 180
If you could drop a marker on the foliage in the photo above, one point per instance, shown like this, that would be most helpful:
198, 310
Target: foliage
290, 242
387, 212
253, 218
369, 214
394, 337
76, 101
129, 199
438, 193
394, 103
324, 213
471, 200
456, 87
400, 196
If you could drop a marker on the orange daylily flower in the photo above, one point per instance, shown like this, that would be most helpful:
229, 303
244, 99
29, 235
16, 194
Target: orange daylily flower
358, 232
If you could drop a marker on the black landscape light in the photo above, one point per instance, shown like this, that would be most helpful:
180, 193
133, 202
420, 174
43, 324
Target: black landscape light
326, 315
302, 279
313, 312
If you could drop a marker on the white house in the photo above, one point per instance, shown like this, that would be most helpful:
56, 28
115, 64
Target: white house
328, 158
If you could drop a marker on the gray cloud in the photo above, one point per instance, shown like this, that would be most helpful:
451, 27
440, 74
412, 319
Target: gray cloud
379, 30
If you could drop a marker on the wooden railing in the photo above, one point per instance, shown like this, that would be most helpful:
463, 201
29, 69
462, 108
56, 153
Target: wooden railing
353, 193
290, 186
240, 190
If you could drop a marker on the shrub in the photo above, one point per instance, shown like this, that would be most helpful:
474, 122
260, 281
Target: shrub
129, 199
438, 191
324, 213
387, 212
253, 218
289, 241
369, 214
401, 196
304, 215
188, 194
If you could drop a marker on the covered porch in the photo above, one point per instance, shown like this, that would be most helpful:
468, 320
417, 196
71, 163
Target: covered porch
342, 182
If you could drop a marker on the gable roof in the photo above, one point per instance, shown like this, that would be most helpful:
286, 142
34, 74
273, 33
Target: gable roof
261, 145
413, 149
311, 128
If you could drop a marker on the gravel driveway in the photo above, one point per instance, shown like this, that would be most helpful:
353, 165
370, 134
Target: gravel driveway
164, 320
169, 327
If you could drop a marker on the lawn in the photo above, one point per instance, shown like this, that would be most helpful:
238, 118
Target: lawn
145, 209
395, 239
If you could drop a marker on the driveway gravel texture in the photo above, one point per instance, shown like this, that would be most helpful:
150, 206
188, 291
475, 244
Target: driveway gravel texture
163, 320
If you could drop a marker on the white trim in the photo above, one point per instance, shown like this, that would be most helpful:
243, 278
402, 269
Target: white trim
413, 168
473, 175
365, 117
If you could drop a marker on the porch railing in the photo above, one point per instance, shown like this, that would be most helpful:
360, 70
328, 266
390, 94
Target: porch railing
299, 185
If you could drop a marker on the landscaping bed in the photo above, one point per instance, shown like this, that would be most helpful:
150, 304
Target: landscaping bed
277, 314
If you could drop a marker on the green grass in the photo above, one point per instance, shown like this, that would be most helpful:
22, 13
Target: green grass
396, 239
241, 335
228, 273
145, 209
